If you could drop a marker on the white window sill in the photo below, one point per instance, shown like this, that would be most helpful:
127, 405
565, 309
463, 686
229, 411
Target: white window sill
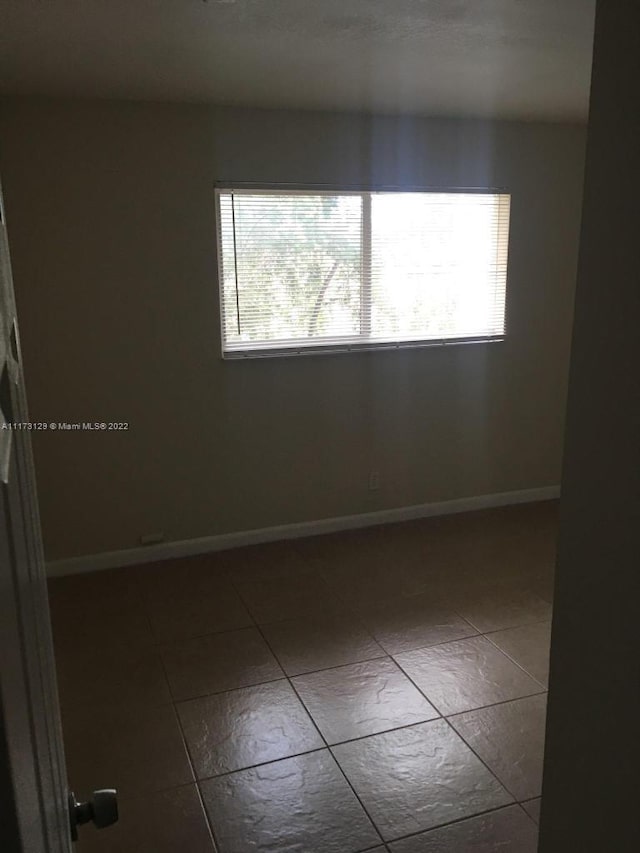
287, 351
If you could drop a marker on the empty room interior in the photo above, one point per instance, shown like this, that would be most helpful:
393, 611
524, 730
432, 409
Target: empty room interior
295, 284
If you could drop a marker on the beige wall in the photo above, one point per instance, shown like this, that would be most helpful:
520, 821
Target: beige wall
111, 221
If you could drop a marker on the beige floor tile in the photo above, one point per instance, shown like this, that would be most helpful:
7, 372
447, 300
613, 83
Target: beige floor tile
532, 808
241, 728
465, 674
413, 779
195, 606
330, 607
90, 610
106, 587
528, 646
362, 699
402, 624
506, 830
501, 607
297, 804
271, 559
509, 738
307, 645
218, 662
134, 749
274, 598
162, 822
373, 575
92, 678
543, 585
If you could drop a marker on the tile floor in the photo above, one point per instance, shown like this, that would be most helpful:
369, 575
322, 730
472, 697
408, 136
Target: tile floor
376, 690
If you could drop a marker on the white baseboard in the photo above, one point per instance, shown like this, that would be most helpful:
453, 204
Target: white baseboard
221, 542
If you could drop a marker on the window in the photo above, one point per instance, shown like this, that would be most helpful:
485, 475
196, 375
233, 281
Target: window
307, 270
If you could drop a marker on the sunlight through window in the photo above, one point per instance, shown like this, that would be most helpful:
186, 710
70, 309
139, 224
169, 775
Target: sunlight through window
304, 271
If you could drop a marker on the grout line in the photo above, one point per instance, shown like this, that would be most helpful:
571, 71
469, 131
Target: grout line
259, 625
324, 740
175, 641
244, 769
416, 685
357, 796
511, 658
479, 707
205, 811
190, 760
495, 705
331, 745
306, 672
392, 659
352, 614
531, 818
479, 757
515, 627
200, 696
426, 832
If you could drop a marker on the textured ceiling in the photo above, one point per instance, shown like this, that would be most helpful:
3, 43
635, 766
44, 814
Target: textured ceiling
510, 58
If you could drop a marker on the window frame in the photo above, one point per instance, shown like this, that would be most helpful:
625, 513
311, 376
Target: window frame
338, 345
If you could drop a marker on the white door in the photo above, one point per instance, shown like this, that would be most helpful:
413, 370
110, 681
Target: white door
33, 782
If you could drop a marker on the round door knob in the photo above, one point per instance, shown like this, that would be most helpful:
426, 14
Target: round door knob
105, 807
101, 809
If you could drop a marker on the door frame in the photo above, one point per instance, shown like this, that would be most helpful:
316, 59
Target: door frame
33, 783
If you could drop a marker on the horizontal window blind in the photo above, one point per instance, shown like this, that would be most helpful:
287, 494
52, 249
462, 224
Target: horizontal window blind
304, 270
